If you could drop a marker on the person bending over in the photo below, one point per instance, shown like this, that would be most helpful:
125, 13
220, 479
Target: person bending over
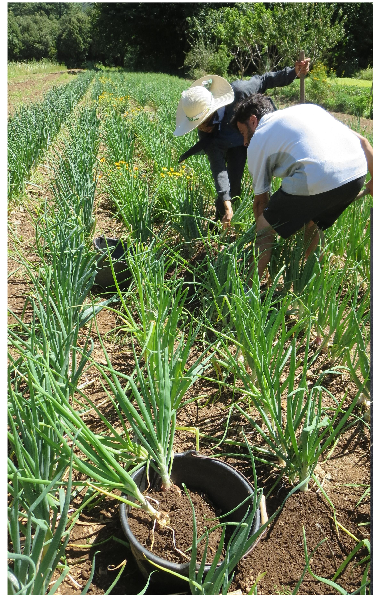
322, 164
208, 105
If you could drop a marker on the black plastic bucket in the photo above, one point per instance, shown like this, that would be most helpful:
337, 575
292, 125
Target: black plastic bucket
104, 276
225, 487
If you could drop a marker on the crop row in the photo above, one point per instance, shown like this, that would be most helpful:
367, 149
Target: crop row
121, 143
32, 129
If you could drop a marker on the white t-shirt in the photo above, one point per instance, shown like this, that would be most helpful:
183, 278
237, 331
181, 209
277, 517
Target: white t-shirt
305, 146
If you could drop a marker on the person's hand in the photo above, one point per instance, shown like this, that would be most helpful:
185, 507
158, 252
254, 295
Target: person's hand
302, 66
228, 214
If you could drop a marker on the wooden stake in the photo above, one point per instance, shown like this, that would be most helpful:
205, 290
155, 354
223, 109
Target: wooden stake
302, 98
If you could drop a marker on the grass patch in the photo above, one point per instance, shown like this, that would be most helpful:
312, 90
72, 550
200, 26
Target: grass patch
353, 82
19, 70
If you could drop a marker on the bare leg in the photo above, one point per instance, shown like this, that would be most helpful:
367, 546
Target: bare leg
264, 243
312, 237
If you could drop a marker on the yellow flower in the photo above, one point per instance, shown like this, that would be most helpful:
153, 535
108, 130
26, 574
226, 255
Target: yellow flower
102, 160
171, 169
162, 175
164, 168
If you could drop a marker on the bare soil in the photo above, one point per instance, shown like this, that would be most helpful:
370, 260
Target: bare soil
280, 552
174, 540
33, 87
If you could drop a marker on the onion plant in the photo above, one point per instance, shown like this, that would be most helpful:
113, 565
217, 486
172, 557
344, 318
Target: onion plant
159, 300
118, 138
155, 396
331, 299
154, 140
157, 391
220, 575
189, 219
37, 554
130, 195
61, 284
34, 471
32, 129
358, 360
32, 459
289, 257
223, 273
75, 181
261, 330
95, 458
349, 237
294, 425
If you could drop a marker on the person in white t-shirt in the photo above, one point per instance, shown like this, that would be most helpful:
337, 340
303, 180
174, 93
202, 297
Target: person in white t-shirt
322, 164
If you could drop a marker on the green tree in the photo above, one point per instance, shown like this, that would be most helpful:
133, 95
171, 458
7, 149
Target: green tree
142, 35
247, 30
206, 58
55, 10
262, 37
206, 54
37, 38
14, 38
315, 27
74, 38
355, 49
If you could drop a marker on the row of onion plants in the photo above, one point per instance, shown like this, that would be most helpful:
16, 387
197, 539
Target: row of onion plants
32, 129
44, 355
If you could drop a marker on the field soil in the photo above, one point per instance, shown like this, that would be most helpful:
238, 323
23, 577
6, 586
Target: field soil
30, 88
332, 525
172, 541
366, 126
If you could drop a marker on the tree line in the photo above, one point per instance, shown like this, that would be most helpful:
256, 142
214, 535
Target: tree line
193, 38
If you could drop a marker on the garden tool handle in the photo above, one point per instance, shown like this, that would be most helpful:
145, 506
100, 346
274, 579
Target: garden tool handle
302, 93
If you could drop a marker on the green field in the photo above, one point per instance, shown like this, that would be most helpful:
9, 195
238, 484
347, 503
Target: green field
104, 380
352, 82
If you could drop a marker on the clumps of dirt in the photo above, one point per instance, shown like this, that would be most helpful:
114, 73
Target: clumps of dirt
174, 541
280, 554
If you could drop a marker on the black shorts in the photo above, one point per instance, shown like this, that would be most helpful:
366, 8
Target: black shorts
287, 213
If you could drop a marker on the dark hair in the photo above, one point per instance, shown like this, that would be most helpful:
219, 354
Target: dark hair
255, 105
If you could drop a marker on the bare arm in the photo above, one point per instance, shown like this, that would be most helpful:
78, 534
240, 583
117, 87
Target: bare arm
260, 203
368, 151
228, 214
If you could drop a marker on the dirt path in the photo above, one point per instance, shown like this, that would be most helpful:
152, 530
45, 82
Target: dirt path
366, 126
33, 87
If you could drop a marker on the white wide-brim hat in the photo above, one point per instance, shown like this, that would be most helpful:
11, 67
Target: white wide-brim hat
202, 99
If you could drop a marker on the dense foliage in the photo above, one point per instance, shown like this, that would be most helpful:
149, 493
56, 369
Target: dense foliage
165, 36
